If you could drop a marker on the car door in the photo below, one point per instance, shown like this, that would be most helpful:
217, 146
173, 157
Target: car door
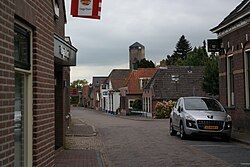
178, 115
175, 114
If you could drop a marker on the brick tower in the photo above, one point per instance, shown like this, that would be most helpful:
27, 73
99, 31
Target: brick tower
136, 52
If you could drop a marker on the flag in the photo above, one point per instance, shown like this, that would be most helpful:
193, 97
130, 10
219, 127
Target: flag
86, 8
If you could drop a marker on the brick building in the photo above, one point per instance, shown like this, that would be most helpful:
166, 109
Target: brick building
171, 83
234, 65
136, 53
96, 83
133, 89
34, 80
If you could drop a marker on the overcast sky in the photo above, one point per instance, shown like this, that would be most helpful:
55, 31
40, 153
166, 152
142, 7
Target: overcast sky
103, 44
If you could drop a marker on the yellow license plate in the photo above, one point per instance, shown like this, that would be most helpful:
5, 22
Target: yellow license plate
211, 127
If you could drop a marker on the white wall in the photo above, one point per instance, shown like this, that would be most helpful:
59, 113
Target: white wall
116, 101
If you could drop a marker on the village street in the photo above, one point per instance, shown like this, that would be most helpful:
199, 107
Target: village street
144, 142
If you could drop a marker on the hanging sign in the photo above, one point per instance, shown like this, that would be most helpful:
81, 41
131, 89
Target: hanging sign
86, 8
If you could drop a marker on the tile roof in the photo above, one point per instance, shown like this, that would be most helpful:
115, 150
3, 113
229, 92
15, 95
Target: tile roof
164, 86
133, 82
241, 10
118, 78
96, 81
135, 45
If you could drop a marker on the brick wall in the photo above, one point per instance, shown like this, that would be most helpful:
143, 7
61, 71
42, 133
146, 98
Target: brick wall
39, 16
6, 83
236, 39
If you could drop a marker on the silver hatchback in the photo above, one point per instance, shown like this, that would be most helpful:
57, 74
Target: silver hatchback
200, 115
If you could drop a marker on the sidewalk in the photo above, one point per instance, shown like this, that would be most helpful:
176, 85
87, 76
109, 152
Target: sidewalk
241, 137
83, 148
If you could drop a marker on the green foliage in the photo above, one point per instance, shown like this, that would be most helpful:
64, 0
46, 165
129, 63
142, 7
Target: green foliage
196, 57
74, 100
182, 48
144, 64
137, 105
163, 109
211, 76
78, 83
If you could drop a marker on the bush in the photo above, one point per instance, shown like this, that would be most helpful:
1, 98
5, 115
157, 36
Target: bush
163, 109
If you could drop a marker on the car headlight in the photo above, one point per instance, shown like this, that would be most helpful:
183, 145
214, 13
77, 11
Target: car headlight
228, 118
190, 122
228, 122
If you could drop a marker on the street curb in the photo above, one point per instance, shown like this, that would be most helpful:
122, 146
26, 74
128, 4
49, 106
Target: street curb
240, 141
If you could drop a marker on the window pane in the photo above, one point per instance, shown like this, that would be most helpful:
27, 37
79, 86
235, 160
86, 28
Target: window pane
18, 119
22, 48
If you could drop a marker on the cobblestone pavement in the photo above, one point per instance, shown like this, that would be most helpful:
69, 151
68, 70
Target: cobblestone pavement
126, 143
83, 147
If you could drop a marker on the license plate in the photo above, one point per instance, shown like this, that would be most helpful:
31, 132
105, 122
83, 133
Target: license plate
211, 127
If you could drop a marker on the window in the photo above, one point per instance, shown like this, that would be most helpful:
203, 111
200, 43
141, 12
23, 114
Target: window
247, 78
143, 82
56, 8
130, 103
19, 119
230, 81
22, 48
23, 96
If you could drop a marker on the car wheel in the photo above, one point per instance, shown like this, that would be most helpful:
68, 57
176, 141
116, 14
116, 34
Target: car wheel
182, 132
171, 129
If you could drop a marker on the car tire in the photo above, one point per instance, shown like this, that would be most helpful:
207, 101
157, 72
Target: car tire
171, 129
182, 132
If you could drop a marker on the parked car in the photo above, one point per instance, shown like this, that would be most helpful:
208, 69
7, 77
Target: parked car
200, 115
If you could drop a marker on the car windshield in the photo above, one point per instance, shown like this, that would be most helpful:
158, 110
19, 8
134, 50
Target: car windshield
202, 104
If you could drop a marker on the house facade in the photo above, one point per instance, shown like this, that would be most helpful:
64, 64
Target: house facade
133, 90
96, 83
34, 89
111, 98
170, 83
234, 65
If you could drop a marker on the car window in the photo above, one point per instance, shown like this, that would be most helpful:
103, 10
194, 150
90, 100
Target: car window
181, 103
177, 104
202, 104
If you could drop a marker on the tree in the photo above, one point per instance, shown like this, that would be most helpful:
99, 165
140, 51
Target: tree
144, 64
211, 76
197, 57
78, 83
182, 48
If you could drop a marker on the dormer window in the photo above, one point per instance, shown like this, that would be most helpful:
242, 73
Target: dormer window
56, 8
143, 82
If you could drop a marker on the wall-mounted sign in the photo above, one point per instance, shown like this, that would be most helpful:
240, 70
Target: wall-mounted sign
65, 53
86, 8
214, 45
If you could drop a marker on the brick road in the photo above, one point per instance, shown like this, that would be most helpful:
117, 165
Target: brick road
147, 143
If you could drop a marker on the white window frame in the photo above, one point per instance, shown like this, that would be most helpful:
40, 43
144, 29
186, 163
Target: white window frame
230, 97
56, 8
130, 100
141, 81
28, 103
247, 75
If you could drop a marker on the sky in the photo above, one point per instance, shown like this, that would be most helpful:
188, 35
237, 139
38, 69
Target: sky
103, 44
